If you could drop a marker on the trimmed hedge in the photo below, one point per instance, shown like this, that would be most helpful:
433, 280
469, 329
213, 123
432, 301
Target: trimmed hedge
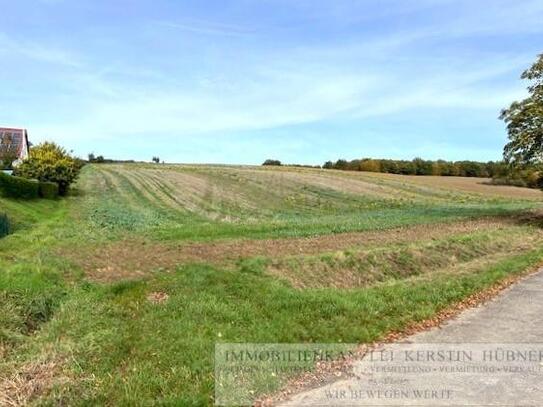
48, 190
17, 187
4, 225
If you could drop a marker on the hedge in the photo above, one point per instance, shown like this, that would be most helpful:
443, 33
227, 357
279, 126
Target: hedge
48, 190
17, 187
4, 225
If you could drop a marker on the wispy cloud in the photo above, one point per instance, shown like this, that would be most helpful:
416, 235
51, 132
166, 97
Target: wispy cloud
285, 94
207, 27
193, 78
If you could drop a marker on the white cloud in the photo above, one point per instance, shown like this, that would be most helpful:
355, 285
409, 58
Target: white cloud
279, 97
199, 26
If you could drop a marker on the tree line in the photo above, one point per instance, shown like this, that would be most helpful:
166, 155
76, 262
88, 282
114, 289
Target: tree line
419, 166
501, 172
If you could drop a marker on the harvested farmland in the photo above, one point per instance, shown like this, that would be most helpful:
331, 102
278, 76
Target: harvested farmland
131, 281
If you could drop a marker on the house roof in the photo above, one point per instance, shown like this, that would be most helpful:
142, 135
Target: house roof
12, 142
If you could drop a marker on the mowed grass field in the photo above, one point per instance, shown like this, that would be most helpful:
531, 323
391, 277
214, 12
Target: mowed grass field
118, 294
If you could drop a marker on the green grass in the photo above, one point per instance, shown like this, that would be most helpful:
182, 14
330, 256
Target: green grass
24, 214
107, 344
299, 226
125, 350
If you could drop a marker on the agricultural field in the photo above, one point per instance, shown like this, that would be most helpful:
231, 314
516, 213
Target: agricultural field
117, 294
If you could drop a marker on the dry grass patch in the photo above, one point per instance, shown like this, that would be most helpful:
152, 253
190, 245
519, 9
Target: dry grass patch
174, 190
203, 195
480, 186
322, 179
32, 381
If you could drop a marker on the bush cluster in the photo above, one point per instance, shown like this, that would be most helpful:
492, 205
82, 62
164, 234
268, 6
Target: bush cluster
276, 163
6, 161
49, 162
524, 176
100, 159
17, 187
4, 225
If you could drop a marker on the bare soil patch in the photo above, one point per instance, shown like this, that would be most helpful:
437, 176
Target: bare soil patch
157, 297
136, 257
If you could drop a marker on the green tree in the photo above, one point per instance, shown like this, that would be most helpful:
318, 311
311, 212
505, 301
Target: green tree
369, 165
341, 164
422, 167
49, 162
272, 162
524, 121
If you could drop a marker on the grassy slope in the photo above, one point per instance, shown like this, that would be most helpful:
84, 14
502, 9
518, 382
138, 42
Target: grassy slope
107, 344
266, 206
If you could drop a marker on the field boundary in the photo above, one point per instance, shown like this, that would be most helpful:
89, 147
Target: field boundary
328, 373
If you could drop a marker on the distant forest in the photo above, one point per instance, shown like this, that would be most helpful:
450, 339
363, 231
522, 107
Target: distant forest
500, 171
418, 166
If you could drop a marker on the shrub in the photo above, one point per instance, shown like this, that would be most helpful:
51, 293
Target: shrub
6, 160
530, 177
49, 162
4, 225
17, 187
48, 190
272, 162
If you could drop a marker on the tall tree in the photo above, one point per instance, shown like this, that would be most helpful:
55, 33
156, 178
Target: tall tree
524, 121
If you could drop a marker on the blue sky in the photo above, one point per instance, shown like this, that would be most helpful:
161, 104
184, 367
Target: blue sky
239, 81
